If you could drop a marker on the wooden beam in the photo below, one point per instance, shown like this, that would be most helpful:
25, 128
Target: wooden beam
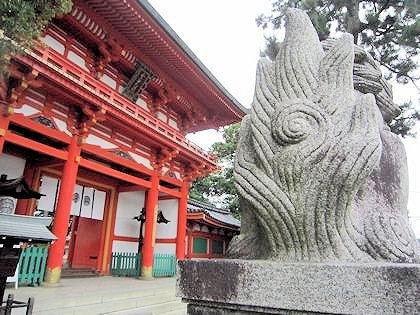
114, 173
131, 188
36, 146
19, 119
98, 151
169, 191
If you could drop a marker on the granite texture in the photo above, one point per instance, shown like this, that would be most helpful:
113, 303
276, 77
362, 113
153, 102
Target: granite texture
320, 176
251, 286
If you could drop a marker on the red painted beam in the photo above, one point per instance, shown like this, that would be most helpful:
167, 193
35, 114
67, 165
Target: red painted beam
98, 151
34, 145
170, 192
113, 173
20, 120
130, 188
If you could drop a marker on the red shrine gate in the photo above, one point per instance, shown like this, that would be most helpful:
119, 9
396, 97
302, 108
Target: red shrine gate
105, 105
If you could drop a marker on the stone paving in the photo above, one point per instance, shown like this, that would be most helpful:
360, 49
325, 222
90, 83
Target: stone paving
103, 295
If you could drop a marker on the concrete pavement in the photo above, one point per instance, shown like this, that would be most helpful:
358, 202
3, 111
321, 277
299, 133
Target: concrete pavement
103, 295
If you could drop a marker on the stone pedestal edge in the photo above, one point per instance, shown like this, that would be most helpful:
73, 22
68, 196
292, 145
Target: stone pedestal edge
241, 287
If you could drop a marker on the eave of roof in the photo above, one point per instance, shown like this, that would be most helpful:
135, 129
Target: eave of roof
181, 44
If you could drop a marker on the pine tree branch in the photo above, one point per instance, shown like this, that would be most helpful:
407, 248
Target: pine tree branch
411, 78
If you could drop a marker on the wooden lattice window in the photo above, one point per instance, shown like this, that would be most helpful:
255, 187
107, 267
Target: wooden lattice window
138, 82
217, 247
199, 245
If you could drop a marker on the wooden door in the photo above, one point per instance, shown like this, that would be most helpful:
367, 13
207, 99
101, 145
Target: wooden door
87, 243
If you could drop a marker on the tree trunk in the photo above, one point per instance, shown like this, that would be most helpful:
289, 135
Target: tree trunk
352, 18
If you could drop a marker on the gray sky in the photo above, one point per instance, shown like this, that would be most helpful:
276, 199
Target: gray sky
224, 36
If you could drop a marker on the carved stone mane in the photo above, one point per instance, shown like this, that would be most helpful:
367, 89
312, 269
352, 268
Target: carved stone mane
320, 176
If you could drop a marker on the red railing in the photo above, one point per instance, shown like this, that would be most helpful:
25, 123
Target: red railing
72, 71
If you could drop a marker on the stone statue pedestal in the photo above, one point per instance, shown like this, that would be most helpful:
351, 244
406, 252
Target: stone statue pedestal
225, 286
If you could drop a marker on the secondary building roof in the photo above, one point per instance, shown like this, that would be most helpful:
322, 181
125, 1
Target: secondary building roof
209, 214
25, 228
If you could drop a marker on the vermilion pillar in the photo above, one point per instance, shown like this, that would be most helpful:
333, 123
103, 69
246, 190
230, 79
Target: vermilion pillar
182, 221
62, 213
150, 227
4, 125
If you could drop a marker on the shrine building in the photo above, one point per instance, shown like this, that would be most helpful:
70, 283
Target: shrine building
95, 118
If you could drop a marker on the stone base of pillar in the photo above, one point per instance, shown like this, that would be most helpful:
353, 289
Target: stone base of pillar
52, 276
146, 273
263, 287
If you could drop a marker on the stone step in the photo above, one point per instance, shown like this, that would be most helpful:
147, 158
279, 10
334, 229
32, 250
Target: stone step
78, 273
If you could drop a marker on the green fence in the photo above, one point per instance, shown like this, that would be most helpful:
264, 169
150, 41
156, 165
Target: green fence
128, 265
32, 264
125, 264
164, 265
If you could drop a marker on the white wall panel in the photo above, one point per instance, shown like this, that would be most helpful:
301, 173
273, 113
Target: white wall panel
108, 81
49, 187
142, 103
77, 60
62, 125
129, 205
87, 202
140, 159
169, 209
125, 247
77, 200
165, 249
53, 43
99, 205
11, 165
26, 110
91, 139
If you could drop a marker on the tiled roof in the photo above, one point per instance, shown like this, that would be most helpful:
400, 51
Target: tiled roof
218, 214
25, 227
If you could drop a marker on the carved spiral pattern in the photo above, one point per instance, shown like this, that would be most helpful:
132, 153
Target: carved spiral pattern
389, 233
299, 120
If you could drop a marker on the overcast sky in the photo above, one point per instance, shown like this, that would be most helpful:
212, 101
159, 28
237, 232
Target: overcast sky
224, 36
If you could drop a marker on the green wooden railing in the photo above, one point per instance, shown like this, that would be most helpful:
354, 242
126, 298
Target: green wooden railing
164, 265
32, 264
125, 264
128, 265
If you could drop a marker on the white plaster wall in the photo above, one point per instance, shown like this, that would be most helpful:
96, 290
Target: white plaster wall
76, 203
142, 104
108, 81
98, 205
91, 139
173, 123
125, 247
13, 167
53, 43
170, 212
62, 125
26, 110
129, 205
50, 190
165, 249
77, 60
87, 202
140, 159
162, 116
